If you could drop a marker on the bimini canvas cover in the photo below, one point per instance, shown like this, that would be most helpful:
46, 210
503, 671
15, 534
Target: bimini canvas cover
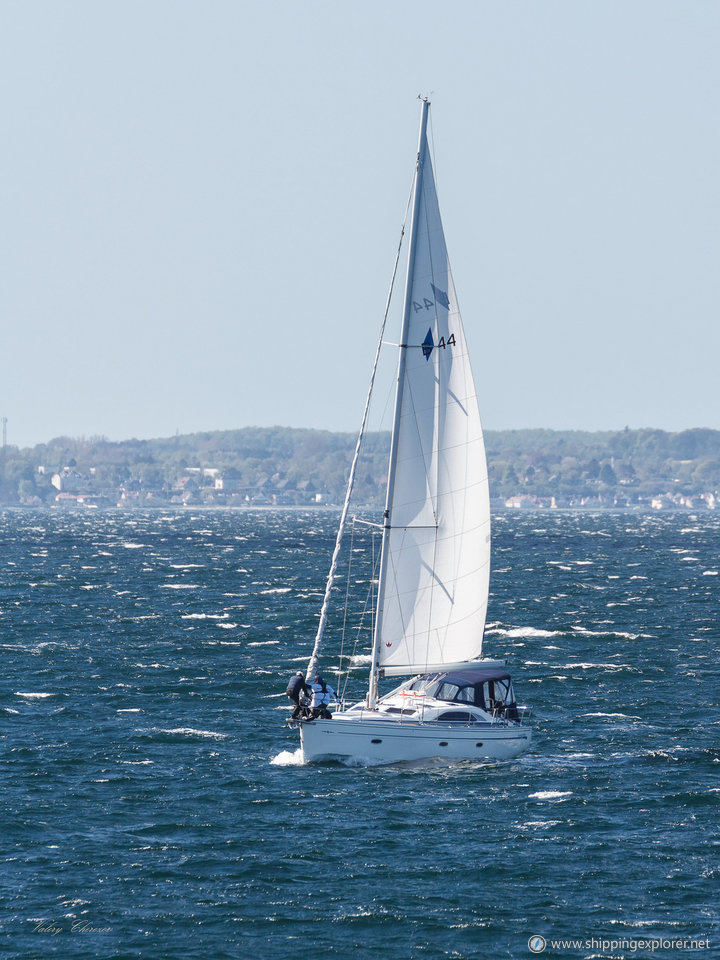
436, 557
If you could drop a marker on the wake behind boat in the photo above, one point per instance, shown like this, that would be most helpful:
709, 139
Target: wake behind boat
435, 557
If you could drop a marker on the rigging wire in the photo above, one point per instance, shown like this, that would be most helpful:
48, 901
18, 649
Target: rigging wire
369, 606
345, 610
312, 664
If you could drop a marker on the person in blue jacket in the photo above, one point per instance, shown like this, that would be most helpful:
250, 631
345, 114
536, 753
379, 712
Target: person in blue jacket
296, 687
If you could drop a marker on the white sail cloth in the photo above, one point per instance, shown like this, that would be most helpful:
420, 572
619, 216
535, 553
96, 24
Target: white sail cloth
435, 578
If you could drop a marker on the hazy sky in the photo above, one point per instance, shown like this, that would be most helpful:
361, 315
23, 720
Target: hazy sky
201, 202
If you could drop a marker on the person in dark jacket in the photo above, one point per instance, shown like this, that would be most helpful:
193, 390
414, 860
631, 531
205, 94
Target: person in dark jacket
296, 687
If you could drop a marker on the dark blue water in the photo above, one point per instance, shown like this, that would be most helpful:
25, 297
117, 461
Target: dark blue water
153, 804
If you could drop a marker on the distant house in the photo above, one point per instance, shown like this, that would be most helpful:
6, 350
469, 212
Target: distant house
229, 485
519, 501
69, 481
526, 501
90, 499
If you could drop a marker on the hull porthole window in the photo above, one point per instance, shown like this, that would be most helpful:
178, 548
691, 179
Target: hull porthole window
443, 743
376, 741
478, 744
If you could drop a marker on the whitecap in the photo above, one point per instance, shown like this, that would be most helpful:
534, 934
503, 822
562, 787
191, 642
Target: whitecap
550, 794
34, 696
204, 616
622, 716
361, 659
596, 666
606, 633
287, 758
192, 732
276, 590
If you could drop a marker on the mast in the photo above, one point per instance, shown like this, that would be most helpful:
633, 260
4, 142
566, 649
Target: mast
312, 665
422, 150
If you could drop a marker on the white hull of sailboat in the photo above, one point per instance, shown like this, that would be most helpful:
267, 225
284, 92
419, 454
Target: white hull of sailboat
378, 741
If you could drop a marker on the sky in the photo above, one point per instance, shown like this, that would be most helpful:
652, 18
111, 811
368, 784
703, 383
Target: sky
201, 203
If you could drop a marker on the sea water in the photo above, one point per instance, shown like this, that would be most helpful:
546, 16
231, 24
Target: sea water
155, 805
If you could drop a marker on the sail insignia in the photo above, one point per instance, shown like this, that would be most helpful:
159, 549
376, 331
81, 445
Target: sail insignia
428, 344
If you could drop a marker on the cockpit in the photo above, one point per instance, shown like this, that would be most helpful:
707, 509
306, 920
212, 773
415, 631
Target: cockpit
490, 690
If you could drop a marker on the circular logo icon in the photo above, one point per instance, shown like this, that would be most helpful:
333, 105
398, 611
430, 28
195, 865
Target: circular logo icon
537, 944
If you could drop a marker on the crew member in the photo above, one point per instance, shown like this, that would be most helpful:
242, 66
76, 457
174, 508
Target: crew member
297, 686
322, 692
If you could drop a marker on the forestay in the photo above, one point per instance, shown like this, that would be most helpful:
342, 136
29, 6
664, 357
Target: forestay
436, 555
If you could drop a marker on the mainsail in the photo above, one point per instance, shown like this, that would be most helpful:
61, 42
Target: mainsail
435, 568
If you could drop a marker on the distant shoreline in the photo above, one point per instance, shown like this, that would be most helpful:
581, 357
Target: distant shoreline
283, 467
643, 509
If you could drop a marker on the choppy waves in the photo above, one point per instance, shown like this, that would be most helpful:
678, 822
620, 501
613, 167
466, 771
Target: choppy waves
151, 791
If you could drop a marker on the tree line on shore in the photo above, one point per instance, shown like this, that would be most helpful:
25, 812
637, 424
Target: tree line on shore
298, 466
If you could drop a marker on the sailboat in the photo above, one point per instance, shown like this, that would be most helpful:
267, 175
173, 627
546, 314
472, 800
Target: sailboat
434, 573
